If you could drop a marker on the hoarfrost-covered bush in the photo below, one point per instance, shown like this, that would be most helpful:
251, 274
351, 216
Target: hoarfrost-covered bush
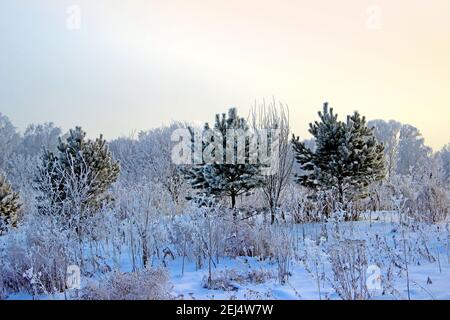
145, 210
35, 260
248, 239
21, 170
433, 203
146, 284
229, 279
283, 251
424, 197
315, 259
349, 265
148, 159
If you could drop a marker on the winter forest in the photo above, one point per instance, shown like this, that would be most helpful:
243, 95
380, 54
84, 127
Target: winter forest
359, 209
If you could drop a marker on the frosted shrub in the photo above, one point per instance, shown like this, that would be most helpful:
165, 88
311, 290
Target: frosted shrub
283, 251
149, 158
228, 279
146, 284
246, 239
300, 205
433, 203
181, 238
36, 261
21, 170
143, 210
349, 265
381, 254
222, 281
425, 199
315, 259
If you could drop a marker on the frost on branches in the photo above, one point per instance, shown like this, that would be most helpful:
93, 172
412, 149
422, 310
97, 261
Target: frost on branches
347, 157
9, 205
223, 179
76, 178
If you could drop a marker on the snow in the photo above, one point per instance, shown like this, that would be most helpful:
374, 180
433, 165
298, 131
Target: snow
428, 280
302, 285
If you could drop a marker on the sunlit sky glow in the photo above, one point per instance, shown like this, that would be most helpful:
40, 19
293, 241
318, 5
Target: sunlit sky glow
138, 64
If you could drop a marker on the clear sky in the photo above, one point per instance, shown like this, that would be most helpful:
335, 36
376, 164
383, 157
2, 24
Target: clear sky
137, 64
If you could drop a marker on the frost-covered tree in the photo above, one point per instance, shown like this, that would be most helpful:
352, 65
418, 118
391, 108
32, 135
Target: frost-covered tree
404, 147
147, 159
155, 151
266, 117
9, 204
412, 151
347, 157
443, 157
40, 136
220, 178
9, 139
388, 132
77, 176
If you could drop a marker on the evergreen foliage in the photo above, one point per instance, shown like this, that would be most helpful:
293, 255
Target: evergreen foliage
228, 179
347, 157
77, 176
9, 205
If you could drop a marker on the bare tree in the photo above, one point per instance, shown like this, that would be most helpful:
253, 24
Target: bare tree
275, 116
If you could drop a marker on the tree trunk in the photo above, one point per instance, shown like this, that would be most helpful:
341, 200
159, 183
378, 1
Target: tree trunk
233, 205
233, 201
144, 251
272, 213
341, 195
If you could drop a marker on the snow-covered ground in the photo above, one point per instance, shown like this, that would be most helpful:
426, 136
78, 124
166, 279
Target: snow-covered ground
426, 280
427, 270
301, 284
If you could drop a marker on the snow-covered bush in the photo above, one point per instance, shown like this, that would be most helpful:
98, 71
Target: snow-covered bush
21, 170
349, 265
433, 203
229, 279
146, 284
315, 259
282, 246
144, 211
35, 260
423, 197
148, 159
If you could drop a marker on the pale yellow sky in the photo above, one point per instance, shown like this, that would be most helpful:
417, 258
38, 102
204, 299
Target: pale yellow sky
136, 64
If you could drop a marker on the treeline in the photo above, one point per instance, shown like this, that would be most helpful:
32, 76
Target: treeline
347, 165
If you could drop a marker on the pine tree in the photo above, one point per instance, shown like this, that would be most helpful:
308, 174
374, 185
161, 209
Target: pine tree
227, 179
347, 157
77, 176
9, 205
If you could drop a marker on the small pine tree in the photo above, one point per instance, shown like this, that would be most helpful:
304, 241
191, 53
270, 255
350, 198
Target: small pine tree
81, 171
227, 179
346, 159
9, 205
